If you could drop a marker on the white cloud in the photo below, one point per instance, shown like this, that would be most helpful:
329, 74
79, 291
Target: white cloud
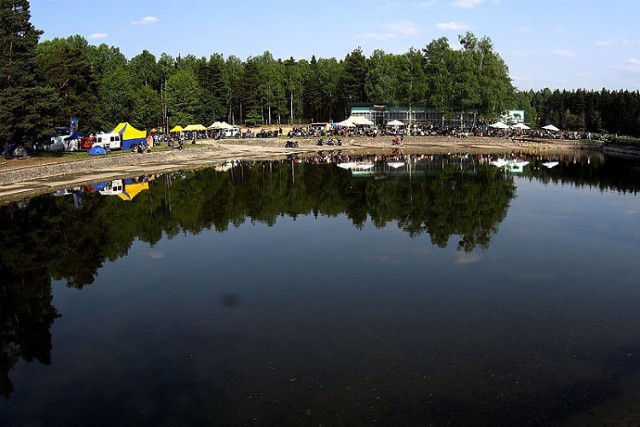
427, 3
376, 36
467, 258
452, 26
467, 4
147, 20
392, 30
563, 53
98, 36
632, 66
405, 28
605, 43
632, 42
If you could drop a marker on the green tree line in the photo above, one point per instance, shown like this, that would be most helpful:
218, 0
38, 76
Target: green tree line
43, 84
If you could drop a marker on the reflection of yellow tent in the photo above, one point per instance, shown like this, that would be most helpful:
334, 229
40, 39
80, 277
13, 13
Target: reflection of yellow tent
132, 190
177, 128
194, 127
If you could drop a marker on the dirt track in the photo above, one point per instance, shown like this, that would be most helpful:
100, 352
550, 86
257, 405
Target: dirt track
22, 178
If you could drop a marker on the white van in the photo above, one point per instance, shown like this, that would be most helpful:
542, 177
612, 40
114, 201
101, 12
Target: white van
109, 141
231, 133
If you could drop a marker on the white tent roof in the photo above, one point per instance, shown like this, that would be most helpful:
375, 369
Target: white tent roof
520, 126
356, 120
220, 125
346, 123
551, 128
499, 125
395, 123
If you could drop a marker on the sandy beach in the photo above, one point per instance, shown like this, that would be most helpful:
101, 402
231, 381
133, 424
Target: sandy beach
41, 174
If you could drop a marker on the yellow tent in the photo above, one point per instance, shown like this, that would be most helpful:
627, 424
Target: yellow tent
127, 131
177, 128
194, 127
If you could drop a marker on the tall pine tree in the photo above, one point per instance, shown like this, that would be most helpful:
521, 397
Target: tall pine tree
25, 109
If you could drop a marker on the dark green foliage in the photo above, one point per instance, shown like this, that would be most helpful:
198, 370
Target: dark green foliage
65, 68
609, 112
26, 103
353, 78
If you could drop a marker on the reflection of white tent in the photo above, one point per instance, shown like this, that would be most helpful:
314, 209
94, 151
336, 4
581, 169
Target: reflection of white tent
360, 121
499, 125
552, 128
395, 123
520, 126
346, 123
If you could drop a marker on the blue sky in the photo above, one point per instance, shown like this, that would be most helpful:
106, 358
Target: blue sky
559, 44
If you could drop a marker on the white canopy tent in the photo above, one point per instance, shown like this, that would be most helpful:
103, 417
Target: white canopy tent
220, 125
520, 126
346, 123
551, 128
498, 125
360, 121
395, 123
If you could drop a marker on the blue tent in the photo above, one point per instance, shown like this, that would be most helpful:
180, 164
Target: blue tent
76, 135
97, 151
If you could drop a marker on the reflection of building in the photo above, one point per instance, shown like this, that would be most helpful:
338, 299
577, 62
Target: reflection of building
413, 115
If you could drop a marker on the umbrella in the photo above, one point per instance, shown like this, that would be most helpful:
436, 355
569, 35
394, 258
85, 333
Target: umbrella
551, 128
395, 123
177, 128
499, 125
520, 126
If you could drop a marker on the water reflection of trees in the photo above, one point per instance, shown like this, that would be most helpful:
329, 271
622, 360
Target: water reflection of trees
597, 171
50, 238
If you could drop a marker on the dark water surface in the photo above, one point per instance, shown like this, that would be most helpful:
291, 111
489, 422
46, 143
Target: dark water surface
446, 292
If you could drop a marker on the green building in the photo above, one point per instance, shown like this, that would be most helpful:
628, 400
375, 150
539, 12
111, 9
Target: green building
380, 114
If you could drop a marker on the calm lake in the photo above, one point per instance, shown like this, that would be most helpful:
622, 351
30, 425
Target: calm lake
411, 290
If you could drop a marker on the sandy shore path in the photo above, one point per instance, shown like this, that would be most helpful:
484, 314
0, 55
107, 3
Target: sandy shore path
36, 175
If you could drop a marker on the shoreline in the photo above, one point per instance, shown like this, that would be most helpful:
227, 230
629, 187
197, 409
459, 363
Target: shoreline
37, 175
